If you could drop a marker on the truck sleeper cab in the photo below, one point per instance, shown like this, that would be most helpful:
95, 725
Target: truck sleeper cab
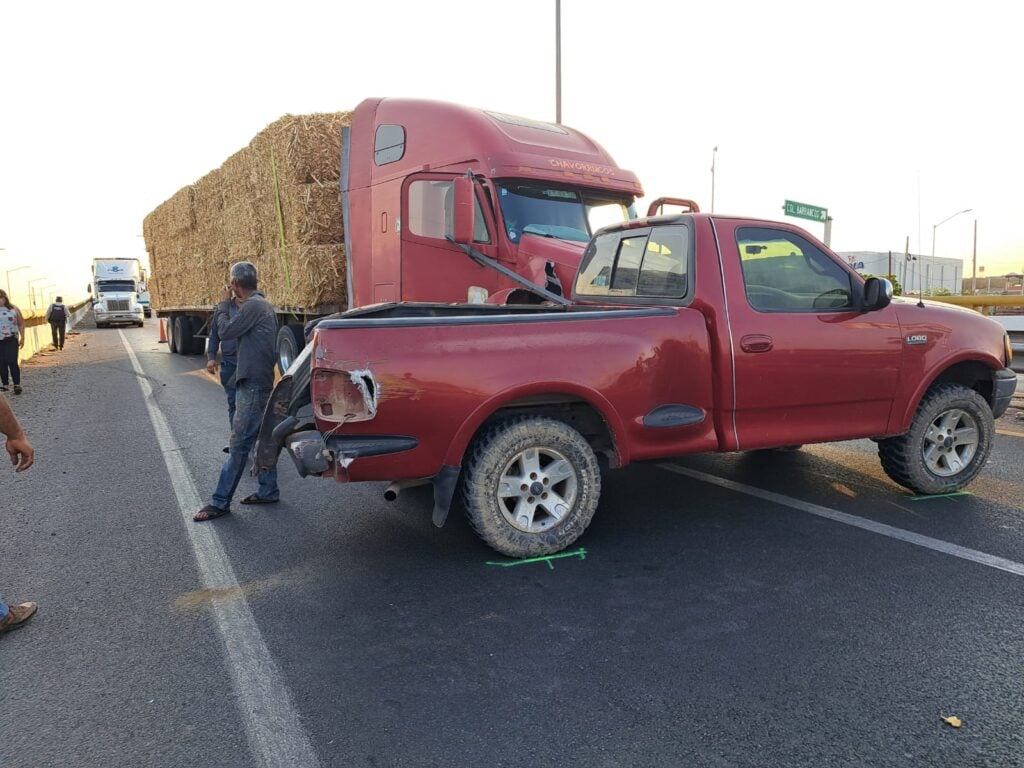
538, 193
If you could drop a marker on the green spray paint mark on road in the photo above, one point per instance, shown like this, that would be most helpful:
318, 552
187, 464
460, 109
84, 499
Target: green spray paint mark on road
939, 496
581, 553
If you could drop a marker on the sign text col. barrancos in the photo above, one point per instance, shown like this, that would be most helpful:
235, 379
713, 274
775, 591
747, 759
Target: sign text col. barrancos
805, 211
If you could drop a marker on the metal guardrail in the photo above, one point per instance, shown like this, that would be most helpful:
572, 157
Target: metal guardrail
979, 302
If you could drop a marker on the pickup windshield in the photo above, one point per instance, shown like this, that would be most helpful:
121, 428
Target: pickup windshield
565, 213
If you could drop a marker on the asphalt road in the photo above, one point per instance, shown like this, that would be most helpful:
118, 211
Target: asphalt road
707, 624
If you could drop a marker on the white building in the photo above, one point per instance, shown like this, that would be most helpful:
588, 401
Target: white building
918, 272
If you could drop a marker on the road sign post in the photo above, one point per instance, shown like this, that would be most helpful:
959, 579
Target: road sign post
811, 212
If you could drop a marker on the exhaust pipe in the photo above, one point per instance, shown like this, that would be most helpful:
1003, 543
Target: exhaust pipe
396, 487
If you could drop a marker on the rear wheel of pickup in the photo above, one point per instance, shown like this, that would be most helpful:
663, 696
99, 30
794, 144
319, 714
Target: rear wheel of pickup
947, 445
530, 485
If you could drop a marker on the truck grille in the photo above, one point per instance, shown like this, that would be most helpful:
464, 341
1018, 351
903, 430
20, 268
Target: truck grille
117, 305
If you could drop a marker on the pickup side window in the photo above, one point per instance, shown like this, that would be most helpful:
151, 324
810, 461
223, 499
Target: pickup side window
430, 211
637, 263
784, 272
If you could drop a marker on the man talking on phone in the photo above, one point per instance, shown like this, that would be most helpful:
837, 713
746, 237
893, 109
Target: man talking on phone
255, 328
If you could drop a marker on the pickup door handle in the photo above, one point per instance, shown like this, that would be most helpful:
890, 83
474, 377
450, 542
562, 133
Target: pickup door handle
756, 342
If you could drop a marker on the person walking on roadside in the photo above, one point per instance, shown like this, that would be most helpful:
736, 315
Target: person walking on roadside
20, 451
12, 339
228, 360
57, 316
255, 328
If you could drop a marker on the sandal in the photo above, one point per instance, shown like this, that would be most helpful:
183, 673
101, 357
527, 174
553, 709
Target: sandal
252, 498
209, 512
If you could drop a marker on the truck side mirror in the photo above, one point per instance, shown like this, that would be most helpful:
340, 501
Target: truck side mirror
463, 209
877, 293
88, 288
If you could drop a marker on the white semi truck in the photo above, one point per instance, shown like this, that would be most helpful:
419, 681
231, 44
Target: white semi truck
115, 291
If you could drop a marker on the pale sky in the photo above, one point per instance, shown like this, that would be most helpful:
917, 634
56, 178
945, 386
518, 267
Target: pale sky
893, 115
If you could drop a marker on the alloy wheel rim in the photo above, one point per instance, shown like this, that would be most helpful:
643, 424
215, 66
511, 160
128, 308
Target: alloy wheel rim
537, 489
951, 442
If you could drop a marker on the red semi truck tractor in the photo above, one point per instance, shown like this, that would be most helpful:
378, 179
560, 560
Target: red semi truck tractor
686, 334
538, 193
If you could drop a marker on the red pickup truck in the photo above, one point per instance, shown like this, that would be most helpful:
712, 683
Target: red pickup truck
685, 334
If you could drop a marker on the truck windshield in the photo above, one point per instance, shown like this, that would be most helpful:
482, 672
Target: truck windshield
116, 286
565, 213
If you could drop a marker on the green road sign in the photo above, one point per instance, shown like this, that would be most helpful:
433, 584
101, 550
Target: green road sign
804, 211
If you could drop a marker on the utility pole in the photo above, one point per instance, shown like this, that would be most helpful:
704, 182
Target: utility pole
974, 265
558, 61
714, 156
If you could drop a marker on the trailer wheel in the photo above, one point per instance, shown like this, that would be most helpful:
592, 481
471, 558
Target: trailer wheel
947, 445
530, 485
172, 342
290, 342
182, 334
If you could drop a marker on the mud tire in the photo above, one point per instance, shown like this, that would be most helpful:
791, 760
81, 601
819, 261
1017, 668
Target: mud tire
903, 458
489, 459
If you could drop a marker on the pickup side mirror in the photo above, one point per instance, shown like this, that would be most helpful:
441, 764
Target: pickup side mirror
877, 293
463, 209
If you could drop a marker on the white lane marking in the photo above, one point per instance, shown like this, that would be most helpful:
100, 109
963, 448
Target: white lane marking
999, 563
276, 736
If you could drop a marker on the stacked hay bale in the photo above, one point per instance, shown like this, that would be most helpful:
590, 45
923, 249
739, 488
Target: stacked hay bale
274, 203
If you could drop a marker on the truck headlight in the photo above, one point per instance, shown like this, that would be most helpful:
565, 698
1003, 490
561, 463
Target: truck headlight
1007, 349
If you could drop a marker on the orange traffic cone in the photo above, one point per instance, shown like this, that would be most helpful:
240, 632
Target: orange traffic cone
163, 332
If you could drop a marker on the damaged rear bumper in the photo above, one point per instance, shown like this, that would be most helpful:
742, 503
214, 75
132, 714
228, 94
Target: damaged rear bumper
317, 454
342, 397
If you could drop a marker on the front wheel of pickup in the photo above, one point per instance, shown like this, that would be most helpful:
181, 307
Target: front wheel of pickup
947, 445
530, 486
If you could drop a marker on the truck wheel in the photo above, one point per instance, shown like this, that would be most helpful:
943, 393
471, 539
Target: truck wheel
290, 342
947, 445
182, 334
530, 486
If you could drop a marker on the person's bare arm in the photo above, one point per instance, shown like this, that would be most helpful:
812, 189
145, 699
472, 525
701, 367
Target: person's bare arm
21, 332
17, 445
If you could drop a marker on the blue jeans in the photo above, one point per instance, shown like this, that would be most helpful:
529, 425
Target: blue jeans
251, 400
3, 608
227, 380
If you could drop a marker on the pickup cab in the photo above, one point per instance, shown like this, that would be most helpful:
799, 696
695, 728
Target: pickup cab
685, 334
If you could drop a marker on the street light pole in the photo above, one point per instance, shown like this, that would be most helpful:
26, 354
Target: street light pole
32, 291
936, 226
9, 280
